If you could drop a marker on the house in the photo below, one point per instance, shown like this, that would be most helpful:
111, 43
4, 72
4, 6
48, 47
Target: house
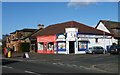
110, 27
70, 37
15, 38
33, 39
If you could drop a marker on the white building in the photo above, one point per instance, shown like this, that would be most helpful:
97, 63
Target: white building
71, 37
77, 42
112, 28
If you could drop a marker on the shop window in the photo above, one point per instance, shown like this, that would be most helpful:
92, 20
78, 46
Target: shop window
82, 45
51, 46
61, 45
33, 47
40, 46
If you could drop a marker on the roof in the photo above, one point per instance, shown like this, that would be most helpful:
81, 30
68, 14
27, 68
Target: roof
25, 30
111, 25
31, 36
60, 28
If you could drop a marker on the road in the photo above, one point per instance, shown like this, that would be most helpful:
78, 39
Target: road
40, 64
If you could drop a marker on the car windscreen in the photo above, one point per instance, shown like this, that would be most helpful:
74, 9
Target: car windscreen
113, 47
98, 48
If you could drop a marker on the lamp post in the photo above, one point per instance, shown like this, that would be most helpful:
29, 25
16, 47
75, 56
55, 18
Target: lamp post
104, 40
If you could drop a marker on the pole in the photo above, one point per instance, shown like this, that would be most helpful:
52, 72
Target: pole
104, 40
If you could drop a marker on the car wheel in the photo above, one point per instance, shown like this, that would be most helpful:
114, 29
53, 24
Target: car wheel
93, 52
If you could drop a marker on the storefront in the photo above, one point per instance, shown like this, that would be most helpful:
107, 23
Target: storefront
68, 42
46, 44
61, 44
70, 37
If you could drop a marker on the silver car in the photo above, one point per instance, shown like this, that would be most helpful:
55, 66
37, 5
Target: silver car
95, 49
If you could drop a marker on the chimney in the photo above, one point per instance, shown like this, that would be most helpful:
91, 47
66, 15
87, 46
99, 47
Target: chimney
40, 26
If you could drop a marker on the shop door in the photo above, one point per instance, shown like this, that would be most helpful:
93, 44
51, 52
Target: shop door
13, 49
71, 47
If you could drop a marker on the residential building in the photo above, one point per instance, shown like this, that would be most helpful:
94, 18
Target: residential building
110, 27
33, 39
15, 38
70, 37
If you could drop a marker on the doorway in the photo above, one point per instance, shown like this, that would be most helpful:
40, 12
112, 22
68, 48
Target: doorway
71, 47
13, 48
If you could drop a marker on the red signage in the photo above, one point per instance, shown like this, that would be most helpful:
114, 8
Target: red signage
50, 38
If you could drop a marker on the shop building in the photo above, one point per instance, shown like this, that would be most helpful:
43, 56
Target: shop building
70, 37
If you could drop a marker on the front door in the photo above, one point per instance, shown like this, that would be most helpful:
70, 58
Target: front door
71, 47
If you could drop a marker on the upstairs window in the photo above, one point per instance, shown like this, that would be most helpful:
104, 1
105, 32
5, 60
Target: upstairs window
13, 37
96, 40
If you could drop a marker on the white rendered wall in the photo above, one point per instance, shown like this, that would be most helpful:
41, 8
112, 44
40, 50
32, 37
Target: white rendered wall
102, 27
101, 42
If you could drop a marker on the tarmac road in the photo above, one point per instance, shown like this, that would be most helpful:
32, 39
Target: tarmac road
39, 64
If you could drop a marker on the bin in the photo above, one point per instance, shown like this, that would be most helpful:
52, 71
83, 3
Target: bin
9, 54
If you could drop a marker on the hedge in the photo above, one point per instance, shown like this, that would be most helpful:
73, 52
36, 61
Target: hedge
25, 47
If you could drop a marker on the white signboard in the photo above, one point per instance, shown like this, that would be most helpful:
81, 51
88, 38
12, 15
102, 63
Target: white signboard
93, 36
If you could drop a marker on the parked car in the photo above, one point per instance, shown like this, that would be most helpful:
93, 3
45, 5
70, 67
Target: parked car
114, 49
95, 49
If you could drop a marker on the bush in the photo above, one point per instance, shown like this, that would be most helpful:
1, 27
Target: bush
25, 47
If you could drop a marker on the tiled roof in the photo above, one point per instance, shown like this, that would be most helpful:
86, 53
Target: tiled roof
110, 25
25, 30
60, 28
31, 36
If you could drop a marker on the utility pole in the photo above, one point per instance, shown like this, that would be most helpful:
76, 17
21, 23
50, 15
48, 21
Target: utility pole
104, 40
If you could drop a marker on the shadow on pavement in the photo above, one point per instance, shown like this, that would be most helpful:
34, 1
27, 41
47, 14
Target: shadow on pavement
7, 61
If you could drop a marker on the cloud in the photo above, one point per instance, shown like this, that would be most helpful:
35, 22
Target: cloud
77, 3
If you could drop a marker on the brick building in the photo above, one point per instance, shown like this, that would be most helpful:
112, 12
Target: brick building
15, 38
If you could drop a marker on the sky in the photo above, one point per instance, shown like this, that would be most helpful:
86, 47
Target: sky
0, 20
19, 15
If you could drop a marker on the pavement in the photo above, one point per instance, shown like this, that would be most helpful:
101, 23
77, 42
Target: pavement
74, 60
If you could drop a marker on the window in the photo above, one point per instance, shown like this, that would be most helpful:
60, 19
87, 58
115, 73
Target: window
12, 36
40, 46
82, 45
51, 46
61, 45
21, 36
33, 46
8, 40
96, 40
118, 31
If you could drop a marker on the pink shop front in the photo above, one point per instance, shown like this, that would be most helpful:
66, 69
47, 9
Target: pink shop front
46, 44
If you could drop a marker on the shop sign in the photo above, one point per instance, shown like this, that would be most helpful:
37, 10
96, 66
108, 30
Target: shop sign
93, 36
61, 37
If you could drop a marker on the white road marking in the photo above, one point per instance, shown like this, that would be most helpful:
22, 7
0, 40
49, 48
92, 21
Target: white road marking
85, 67
7, 67
32, 72
60, 64
93, 67
54, 63
74, 65
69, 65
81, 66
29, 72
